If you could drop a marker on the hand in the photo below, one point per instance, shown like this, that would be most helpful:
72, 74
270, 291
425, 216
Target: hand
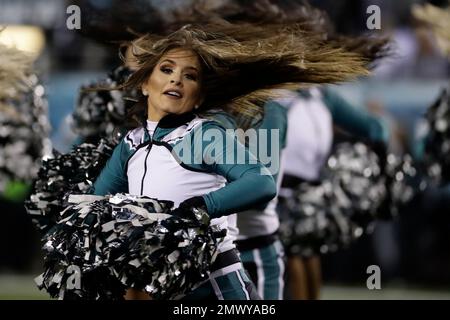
186, 208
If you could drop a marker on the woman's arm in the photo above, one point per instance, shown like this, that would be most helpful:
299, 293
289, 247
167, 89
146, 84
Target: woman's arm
113, 178
355, 121
246, 189
249, 182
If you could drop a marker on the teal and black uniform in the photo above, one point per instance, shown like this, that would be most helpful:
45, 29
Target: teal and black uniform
261, 251
183, 157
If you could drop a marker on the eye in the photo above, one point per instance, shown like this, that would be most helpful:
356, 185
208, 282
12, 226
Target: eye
191, 77
166, 70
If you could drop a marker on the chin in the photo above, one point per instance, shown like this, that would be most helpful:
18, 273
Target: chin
176, 110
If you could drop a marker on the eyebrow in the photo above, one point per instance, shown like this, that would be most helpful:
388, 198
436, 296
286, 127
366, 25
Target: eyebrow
173, 62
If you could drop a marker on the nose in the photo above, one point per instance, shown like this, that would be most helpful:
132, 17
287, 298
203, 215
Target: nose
176, 79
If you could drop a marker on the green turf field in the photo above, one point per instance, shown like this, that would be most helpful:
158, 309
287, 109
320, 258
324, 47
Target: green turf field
22, 287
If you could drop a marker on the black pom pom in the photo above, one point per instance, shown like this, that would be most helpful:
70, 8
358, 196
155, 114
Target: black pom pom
101, 113
24, 134
63, 174
329, 215
117, 242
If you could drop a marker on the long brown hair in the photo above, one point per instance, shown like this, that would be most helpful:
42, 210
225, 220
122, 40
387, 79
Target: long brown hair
372, 47
242, 63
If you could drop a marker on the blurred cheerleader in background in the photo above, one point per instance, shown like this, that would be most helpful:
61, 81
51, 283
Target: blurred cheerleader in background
24, 140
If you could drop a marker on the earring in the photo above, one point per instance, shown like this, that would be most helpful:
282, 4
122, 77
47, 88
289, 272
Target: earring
145, 92
196, 106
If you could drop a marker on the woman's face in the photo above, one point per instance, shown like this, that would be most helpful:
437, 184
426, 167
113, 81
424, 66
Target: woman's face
174, 85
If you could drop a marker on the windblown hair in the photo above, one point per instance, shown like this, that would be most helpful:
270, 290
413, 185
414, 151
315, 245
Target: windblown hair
272, 12
439, 21
243, 63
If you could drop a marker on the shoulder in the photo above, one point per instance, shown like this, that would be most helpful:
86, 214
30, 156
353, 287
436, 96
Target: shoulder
203, 131
223, 118
203, 123
185, 130
134, 138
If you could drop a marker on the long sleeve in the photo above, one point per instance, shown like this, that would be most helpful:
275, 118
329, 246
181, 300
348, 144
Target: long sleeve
275, 124
113, 178
249, 182
355, 121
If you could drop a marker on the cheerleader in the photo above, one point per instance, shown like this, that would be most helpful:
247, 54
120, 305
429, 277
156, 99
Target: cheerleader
309, 139
24, 140
261, 250
168, 156
144, 164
